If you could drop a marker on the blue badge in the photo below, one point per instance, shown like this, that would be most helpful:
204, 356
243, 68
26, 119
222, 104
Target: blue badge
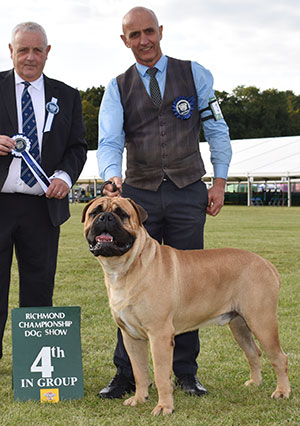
52, 107
183, 107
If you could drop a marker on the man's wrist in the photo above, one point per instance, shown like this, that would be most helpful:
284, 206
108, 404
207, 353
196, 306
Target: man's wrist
221, 182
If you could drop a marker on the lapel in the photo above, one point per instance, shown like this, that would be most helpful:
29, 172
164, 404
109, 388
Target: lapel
7, 87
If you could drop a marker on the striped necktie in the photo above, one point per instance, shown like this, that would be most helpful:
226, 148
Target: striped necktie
29, 130
154, 87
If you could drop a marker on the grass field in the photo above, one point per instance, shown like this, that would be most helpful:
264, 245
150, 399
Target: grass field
273, 232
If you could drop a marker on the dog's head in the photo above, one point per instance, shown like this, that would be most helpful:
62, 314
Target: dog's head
111, 225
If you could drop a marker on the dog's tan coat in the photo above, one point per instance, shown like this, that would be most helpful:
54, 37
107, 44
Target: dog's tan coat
156, 292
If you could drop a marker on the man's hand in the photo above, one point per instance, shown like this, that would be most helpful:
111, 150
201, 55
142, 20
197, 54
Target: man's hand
6, 144
108, 190
57, 189
216, 197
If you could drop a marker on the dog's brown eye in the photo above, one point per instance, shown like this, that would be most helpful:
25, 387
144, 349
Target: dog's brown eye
122, 215
96, 211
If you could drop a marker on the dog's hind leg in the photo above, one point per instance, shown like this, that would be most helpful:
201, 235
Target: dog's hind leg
265, 328
244, 338
138, 353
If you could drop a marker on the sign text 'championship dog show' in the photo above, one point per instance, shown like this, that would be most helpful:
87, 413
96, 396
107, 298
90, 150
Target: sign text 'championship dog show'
47, 361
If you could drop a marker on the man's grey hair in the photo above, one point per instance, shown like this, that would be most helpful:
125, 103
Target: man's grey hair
29, 27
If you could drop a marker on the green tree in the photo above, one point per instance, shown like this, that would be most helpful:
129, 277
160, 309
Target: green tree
293, 105
91, 100
251, 113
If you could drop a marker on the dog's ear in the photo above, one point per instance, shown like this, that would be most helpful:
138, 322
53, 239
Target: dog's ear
85, 209
141, 212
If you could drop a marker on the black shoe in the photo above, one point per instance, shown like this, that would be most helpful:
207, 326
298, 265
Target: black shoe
117, 387
190, 384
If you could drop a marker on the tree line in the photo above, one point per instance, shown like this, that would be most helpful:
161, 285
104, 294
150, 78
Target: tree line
248, 111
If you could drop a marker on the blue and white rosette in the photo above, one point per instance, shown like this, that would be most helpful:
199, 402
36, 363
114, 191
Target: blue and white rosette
21, 150
183, 107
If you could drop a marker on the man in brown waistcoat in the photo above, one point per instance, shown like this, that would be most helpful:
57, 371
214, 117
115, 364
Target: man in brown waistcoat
155, 110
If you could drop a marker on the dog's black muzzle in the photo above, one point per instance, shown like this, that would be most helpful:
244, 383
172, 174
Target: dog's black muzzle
107, 236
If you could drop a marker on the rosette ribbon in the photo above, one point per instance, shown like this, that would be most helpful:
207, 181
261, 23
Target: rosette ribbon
53, 109
21, 150
183, 107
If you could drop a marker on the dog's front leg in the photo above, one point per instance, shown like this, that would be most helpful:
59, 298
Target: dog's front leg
162, 348
138, 353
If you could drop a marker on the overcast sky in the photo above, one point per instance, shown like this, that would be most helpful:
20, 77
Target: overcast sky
243, 42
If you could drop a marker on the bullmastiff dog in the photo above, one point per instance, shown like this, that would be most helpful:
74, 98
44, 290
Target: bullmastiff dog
156, 292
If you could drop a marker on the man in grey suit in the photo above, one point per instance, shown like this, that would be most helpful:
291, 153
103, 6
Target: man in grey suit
34, 205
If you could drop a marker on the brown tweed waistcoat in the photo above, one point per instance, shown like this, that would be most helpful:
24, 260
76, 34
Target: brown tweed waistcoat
158, 143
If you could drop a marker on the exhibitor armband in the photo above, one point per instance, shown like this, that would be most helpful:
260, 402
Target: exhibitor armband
214, 108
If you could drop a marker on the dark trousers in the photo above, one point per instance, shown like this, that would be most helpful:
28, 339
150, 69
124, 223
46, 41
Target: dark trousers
176, 218
26, 227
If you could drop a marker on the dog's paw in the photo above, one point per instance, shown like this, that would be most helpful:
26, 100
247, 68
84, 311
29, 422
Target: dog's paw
162, 409
280, 393
134, 400
252, 382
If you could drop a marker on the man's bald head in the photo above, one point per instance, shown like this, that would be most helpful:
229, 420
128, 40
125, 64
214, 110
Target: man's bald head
134, 12
142, 34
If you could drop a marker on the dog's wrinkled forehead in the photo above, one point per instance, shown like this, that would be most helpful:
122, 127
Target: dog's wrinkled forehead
113, 205
103, 204
119, 206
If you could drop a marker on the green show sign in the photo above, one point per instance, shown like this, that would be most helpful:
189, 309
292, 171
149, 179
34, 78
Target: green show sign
47, 360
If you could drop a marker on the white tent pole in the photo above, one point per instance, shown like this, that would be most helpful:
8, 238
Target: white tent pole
289, 192
95, 187
249, 190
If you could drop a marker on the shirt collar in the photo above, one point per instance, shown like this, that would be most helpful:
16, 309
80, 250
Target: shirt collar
161, 65
37, 84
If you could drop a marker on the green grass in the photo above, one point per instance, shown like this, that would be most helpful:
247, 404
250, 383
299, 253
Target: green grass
273, 232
